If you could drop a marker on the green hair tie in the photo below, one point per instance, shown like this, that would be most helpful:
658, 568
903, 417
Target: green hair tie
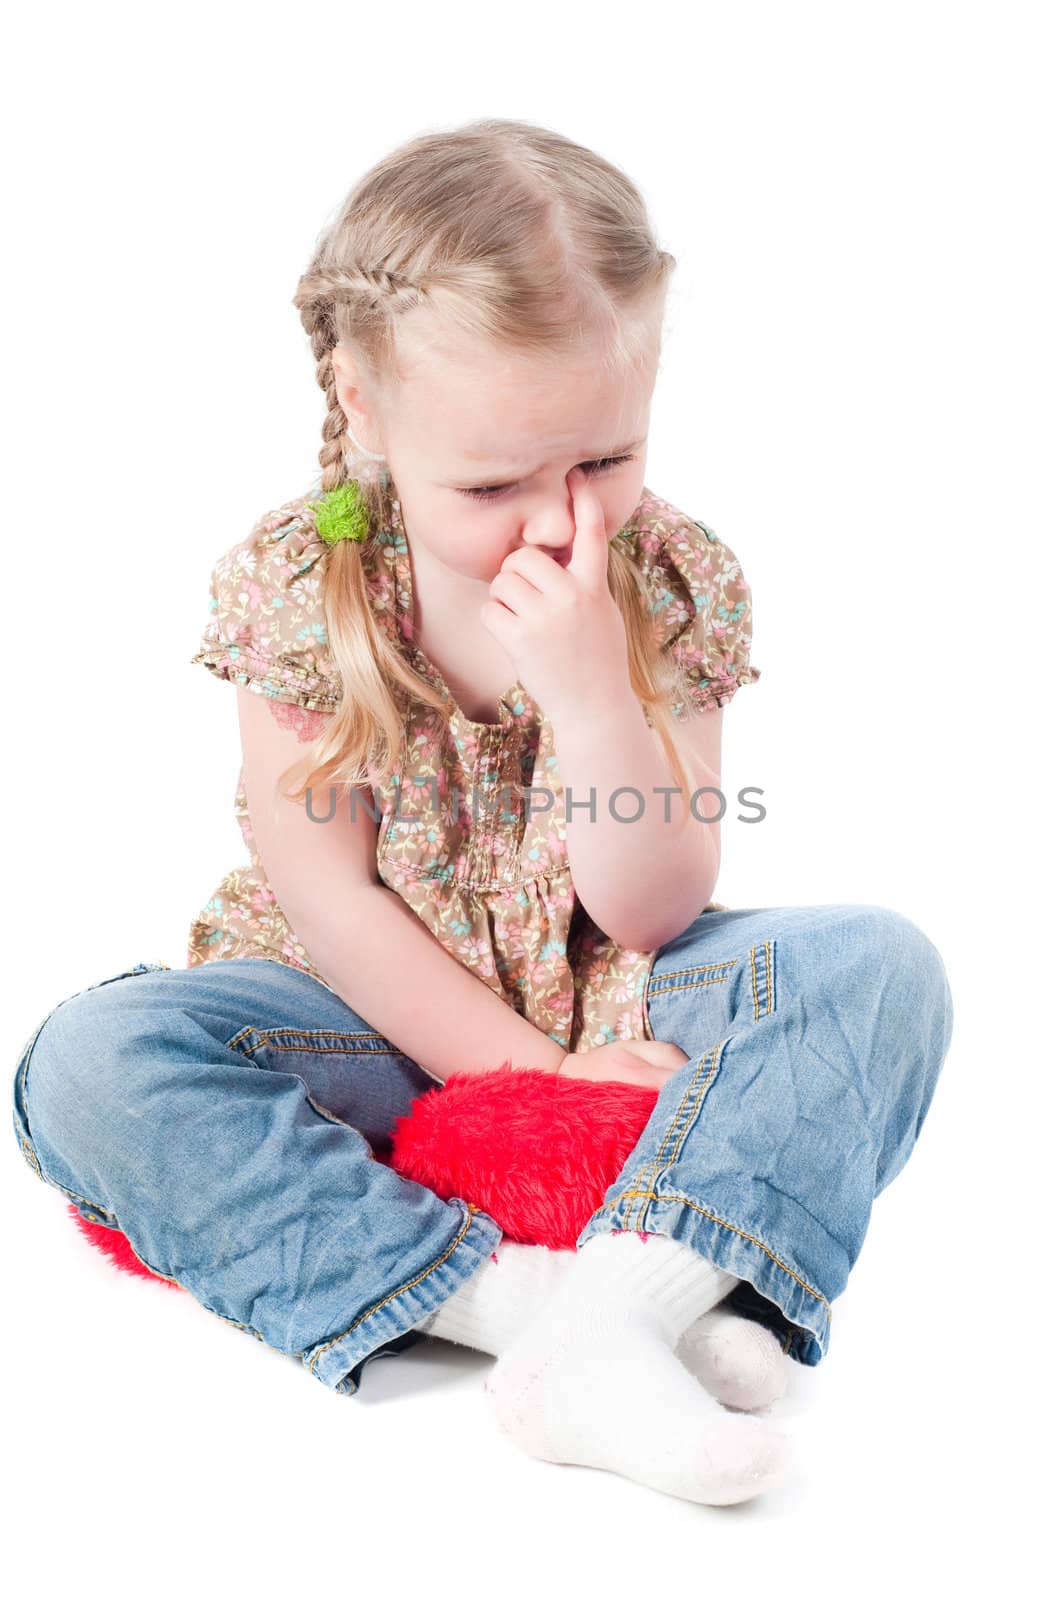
342, 514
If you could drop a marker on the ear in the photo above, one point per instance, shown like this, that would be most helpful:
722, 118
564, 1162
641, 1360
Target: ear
350, 392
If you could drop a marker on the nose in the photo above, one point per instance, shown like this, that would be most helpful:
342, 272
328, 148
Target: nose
552, 529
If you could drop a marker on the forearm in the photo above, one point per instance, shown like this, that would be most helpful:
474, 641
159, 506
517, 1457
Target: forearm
390, 969
644, 880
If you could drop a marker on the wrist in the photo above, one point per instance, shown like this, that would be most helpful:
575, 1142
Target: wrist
550, 1059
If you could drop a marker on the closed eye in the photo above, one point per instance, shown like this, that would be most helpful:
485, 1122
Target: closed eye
496, 490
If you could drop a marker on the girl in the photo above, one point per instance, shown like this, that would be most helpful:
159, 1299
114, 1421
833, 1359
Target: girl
481, 671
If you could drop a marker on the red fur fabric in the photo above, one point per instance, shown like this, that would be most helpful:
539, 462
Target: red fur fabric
537, 1153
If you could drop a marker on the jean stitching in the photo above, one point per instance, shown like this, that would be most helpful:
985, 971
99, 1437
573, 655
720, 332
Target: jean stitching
695, 1106
30, 1154
20, 1082
646, 1165
647, 1025
682, 989
685, 972
401, 1289
769, 998
272, 1035
682, 1200
73, 1195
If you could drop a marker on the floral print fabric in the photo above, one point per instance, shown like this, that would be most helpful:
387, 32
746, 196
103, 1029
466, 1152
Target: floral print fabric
471, 831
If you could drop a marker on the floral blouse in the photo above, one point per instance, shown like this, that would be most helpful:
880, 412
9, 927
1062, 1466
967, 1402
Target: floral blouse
479, 853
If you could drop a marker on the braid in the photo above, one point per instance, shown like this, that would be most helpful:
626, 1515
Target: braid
320, 291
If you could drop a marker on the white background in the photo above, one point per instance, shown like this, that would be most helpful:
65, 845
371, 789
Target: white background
861, 393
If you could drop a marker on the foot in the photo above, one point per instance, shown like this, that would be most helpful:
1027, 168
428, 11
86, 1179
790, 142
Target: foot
602, 1387
739, 1361
594, 1379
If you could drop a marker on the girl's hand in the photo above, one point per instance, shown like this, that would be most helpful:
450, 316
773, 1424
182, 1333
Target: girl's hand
647, 1062
560, 626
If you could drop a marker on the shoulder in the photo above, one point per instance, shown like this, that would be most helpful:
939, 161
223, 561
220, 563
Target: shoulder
699, 597
685, 561
265, 626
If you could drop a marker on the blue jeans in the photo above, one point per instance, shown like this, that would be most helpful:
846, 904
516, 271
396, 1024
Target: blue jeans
227, 1118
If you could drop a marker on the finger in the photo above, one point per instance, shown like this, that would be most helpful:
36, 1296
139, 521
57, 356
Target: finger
538, 568
513, 590
501, 624
590, 547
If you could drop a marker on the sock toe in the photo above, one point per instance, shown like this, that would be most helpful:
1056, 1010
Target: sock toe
738, 1360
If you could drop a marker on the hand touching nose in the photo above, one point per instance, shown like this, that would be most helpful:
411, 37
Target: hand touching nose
560, 625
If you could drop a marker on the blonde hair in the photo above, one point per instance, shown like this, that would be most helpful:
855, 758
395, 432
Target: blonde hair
523, 239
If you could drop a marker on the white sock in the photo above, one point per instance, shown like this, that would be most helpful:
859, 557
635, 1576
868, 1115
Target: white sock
594, 1379
738, 1360
498, 1301
501, 1297
741, 1363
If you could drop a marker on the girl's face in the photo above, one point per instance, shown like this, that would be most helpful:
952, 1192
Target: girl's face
480, 443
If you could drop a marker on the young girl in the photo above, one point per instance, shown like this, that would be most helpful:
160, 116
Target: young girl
481, 671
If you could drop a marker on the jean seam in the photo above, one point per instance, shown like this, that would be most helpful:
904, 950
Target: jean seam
73, 1195
271, 1035
325, 1112
648, 1166
651, 1170
768, 948
157, 1271
647, 1025
667, 987
233, 1322
683, 1200
409, 1284
30, 1154
703, 1079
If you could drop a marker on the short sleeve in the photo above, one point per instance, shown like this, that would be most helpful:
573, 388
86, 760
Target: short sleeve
701, 601
265, 625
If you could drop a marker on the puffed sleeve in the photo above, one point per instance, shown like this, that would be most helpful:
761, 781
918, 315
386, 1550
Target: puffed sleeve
701, 601
265, 625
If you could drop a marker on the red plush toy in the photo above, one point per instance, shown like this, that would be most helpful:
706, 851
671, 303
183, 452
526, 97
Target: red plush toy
537, 1153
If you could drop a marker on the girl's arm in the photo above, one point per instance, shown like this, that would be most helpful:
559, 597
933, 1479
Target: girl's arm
642, 881
363, 939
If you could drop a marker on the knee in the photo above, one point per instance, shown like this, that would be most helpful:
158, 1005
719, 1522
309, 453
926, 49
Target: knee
73, 1073
903, 944
904, 960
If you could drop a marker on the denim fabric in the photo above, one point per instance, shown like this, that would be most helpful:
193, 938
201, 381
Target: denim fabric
226, 1117
815, 1035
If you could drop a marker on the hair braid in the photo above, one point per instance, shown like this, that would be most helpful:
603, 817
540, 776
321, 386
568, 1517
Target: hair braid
319, 293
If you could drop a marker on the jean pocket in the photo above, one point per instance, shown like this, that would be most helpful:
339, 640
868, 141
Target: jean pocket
682, 991
19, 1112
